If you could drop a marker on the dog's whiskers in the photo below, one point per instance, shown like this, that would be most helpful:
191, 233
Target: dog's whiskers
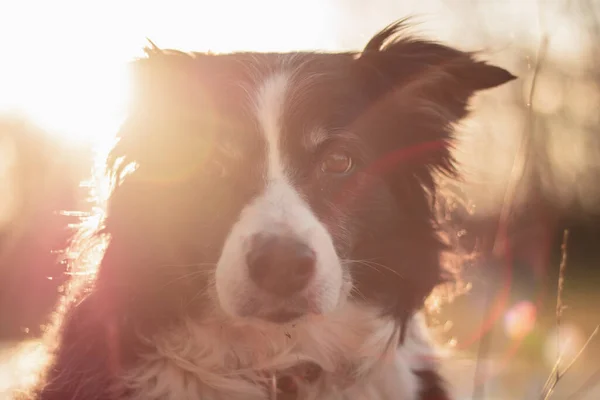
373, 265
190, 275
184, 265
354, 289
198, 294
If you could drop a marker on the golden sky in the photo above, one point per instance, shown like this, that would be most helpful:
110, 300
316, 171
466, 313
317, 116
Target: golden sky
63, 62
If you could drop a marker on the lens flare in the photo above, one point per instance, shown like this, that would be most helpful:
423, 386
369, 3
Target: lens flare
520, 319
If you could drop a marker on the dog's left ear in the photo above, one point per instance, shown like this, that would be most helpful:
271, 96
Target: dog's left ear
412, 67
417, 91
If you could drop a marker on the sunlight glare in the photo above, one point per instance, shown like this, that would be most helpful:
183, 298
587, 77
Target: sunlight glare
20, 365
8, 156
70, 74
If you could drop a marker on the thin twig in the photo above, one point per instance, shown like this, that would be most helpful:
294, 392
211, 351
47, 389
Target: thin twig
588, 341
549, 385
521, 157
577, 356
551, 375
559, 290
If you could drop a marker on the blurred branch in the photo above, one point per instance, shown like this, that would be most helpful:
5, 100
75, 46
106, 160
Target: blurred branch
507, 206
521, 157
520, 161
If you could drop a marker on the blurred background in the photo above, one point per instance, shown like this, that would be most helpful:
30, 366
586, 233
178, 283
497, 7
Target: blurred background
531, 159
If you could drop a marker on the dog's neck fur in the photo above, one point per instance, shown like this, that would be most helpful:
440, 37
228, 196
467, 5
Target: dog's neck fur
220, 359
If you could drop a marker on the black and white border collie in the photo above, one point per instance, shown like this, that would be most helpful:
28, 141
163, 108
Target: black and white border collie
276, 236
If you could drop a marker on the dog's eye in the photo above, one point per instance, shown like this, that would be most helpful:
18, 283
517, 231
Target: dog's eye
216, 168
337, 163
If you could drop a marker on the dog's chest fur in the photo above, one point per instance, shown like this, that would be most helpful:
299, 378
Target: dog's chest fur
216, 360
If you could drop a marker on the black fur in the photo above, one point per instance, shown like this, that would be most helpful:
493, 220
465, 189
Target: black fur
432, 386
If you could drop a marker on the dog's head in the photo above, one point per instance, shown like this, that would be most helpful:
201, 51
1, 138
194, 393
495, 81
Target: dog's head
274, 186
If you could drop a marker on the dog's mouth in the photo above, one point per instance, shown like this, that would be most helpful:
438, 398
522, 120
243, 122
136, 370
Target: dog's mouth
278, 310
283, 316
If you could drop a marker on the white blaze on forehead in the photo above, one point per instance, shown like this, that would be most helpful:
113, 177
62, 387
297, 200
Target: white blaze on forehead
270, 101
279, 209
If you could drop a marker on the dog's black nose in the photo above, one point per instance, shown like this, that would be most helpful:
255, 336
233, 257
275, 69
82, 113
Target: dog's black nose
280, 265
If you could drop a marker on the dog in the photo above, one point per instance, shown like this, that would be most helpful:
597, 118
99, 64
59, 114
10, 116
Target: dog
271, 230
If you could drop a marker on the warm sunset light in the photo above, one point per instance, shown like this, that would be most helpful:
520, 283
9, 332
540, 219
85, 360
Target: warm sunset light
20, 367
287, 216
70, 74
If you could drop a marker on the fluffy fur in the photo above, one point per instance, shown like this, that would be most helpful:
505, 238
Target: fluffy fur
333, 152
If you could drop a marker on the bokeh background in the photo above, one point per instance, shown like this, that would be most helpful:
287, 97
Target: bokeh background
531, 159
